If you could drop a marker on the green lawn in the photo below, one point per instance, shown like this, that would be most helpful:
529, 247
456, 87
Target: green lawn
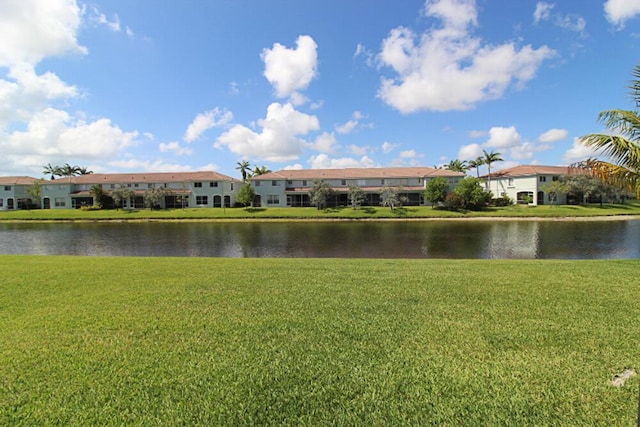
187, 341
313, 213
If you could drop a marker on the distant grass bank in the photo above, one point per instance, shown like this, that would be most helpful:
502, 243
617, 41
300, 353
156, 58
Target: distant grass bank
193, 341
368, 212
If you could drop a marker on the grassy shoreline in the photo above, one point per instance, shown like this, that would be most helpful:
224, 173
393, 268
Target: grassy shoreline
630, 210
138, 341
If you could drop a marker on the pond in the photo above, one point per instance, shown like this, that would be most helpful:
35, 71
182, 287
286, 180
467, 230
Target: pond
479, 239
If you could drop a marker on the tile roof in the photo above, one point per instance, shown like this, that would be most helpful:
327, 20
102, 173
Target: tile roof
525, 170
161, 177
17, 180
357, 173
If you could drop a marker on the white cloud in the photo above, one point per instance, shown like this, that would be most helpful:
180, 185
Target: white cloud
175, 147
291, 70
618, 12
409, 154
553, 135
295, 167
578, 152
470, 152
278, 140
477, 133
131, 165
205, 121
542, 12
350, 125
324, 143
447, 68
388, 147
31, 30
322, 161
502, 137
357, 150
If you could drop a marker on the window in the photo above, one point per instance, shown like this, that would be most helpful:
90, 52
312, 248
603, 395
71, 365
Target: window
257, 183
542, 179
135, 185
510, 182
1, 203
202, 200
273, 199
60, 201
197, 184
149, 185
555, 178
213, 184
112, 186
382, 181
129, 185
289, 182
274, 183
304, 183
7, 188
344, 182
232, 186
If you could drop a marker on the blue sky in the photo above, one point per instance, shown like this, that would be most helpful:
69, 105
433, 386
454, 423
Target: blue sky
135, 86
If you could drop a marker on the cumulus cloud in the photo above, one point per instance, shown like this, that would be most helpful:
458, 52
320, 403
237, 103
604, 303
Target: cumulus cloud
322, 161
176, 148
449, 69
578, 152
503, 137
291, 70
388, 147
324, 143
470, 152
207, 120
553, 135
279, 139
618, 12
350, 125
543, 12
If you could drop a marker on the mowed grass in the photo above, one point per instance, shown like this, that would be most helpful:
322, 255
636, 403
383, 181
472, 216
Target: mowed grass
365, 212
187, 341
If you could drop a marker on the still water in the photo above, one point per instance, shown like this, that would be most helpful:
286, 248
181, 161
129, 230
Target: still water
414, 239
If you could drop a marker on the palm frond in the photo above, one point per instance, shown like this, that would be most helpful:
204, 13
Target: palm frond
620, 150
623, 122
613, 174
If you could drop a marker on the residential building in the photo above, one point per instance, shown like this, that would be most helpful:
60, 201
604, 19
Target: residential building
525, 184
182, 189
291, 187
14, 192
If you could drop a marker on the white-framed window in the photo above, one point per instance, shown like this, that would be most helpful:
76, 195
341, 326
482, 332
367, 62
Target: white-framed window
60, 201
7, 188
257, 183
202, 200
382, 181
289, 182
273, 199
197, 184
213, 184
542, 179
304, 182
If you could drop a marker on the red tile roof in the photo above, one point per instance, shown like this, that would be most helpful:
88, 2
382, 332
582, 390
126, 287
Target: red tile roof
161, 177
357, 173
526, 170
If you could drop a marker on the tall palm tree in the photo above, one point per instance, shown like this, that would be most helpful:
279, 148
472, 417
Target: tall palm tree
84, 171
488, 159
475, 164
69, 171
622, 146
245, 168
458, 166
52, 170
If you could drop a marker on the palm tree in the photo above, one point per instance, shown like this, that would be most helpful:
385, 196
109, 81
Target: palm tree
260, 170
69, 171
244, 167
458, 166
475, 164
488, 159
83, 171
52, 170
622, 147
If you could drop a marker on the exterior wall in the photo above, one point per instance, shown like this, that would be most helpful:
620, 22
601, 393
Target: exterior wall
57, 192
513, 186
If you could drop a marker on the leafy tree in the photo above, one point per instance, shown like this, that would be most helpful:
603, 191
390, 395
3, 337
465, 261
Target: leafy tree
390, 196
475, 164
553, 188
621, 145
585, 186
458, 166
35, 191
153, 196
436, 191
52, 170
356, 196
471, 193
120, 194
99, 195
246, 195
245, 168
489, 159
319, 193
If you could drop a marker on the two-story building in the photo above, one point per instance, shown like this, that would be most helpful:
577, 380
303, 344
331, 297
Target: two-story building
14, 192
180, 189
291, 187
525, 183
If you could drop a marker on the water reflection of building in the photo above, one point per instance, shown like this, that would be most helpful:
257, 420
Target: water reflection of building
513, 239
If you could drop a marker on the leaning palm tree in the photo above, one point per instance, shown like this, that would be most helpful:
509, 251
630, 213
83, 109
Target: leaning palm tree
622, 146
475, 164
488, 159
245, 168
